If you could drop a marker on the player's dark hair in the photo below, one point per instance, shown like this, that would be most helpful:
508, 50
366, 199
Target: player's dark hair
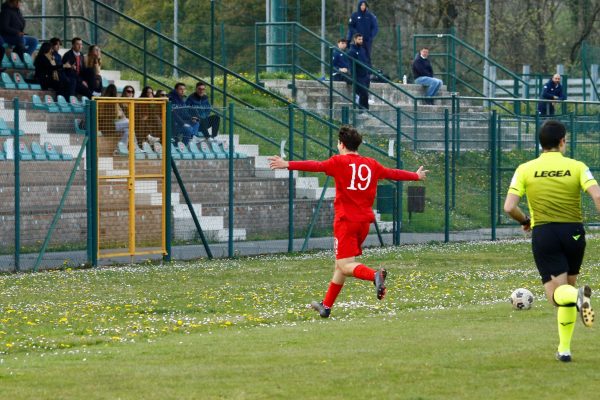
355, 36
342, 41
551, 133
178, 84
350, 137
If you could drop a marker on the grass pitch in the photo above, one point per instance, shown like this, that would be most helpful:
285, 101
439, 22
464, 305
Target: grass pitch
240, 329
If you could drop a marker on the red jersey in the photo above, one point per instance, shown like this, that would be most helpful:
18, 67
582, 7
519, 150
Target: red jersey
355, 183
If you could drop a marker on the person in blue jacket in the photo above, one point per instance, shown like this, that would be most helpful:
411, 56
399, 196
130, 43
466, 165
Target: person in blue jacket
364, 22
201, 108
184, 125
552, 90
423, 74
358, 56
340, 63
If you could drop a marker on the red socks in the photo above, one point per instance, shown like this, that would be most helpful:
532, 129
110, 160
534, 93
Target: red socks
363, 272
332, 294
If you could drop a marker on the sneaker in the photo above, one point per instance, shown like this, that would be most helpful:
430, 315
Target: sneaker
321, 309
584, 305
152, 139
380, 283
564, 357
195, 140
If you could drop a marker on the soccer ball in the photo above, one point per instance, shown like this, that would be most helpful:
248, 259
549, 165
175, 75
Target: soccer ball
521, 299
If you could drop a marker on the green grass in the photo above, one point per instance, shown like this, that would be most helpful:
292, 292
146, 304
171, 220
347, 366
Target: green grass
240, 329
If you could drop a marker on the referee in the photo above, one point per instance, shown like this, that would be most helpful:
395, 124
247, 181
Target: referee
553, 185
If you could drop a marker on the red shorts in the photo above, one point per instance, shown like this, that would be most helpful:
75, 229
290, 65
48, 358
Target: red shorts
349, 237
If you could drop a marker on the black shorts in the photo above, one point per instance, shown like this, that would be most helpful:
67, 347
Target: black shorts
558, 248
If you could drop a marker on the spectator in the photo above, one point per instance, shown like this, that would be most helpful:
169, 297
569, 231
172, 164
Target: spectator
128, 91
12, 28
161, 93
2, 52
91, 70
423, 74
184, 127
147, 92
73, 63
110, 91
209, 124
47, 72
552, 90
360, 72
56, 44
340, 63
364, 22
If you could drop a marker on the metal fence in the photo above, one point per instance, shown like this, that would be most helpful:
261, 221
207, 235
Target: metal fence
225, 201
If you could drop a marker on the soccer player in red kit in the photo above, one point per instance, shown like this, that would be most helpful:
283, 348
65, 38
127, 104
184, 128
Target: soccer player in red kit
355, 189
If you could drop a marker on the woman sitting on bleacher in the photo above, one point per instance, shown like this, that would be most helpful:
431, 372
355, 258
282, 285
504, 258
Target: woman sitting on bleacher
91, 70
48, 74
12, 29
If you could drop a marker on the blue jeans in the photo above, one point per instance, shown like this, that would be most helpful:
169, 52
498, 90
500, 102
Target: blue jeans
433, 84
28, 43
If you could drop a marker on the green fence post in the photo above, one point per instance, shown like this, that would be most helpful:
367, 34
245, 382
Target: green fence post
399, 48
399, 184
256, 54
212, 50
446, 176
93, 183
17, 157
345, 118
88, 182
536, 136
168, 210
454, 149
161, 65
293, 42
65, 8
493, 174
145, 58
223, 48
231, 171
291, 180
573, 141
304, 136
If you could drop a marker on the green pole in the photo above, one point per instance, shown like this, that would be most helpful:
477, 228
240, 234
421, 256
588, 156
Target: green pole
17, 156
573, 141
330, 102
454, 150
537, 137
223, 48
293, 44
145, 57
399, 49
291, 180
231, 171
493, 175
89, 182
304, 136
212, 50
399, 184
65, 35
95, 30
167, 160
161, 65
446, 177
93, 183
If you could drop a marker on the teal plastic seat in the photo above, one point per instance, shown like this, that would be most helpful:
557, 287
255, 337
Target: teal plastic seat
183, 150
16, 61
38, 153
198, 155
225, 147
6, 82
139, 154
24, 153
214, 146
63, 105
6, 131
28, 61
52, 154
78, 129
37, 103
150, 154
208, 153
19, 81
175, 154
2, 154
122, 149
76, 106
51, 106
158, 149
6, 62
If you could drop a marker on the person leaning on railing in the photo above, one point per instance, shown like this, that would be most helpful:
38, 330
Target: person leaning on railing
552, 90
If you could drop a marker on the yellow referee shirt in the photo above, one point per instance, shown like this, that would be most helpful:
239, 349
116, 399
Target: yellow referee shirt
553, 185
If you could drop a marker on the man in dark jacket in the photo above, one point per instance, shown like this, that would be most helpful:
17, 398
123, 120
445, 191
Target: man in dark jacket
209, 124
358, 56
552, 90
73, 64
364, 22
423, 74
340, 63
12, 28
184, 125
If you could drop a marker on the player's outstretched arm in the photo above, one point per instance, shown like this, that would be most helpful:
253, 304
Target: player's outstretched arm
422, 173
277, 162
